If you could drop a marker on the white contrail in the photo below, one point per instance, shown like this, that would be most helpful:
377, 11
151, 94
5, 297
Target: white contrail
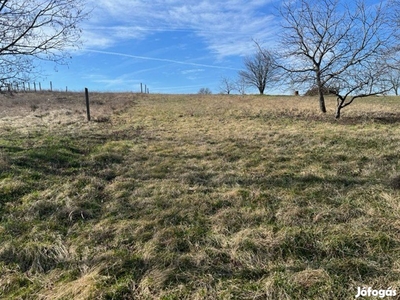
160, 59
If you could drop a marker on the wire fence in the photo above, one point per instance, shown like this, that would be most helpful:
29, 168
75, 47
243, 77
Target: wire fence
23, 87
39, 87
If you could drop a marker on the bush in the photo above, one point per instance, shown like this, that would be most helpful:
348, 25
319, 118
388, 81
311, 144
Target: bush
204, 91
326, 91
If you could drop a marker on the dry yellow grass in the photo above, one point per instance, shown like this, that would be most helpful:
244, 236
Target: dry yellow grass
197, 197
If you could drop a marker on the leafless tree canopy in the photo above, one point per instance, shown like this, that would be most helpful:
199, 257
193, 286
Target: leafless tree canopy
336, 43
394, 79
36, 29
241, 86
259, 70
204, 91
227, 85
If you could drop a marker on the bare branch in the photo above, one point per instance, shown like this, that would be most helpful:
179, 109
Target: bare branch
336, 43
227, 85
260, 69
43, 29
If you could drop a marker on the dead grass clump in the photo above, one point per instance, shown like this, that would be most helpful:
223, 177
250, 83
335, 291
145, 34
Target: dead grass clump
38, 256
5, 162
394, 182
80, 288
34, 107
102, 119
310, 278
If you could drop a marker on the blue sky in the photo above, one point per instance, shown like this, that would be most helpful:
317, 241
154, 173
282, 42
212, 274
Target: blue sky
172, 46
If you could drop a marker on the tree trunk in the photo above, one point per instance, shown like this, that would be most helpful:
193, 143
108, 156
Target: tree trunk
322, 101
321, 94
338, 109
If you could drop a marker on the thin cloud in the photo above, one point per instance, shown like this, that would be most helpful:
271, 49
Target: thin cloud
185, 72
220, 24
160, 59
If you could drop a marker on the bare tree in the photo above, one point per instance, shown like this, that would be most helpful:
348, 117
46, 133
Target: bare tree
394, 80
395, 16
259, 69
394, 64
36, 29
227, 85
364, 80
204, 91
241, 86
336, 43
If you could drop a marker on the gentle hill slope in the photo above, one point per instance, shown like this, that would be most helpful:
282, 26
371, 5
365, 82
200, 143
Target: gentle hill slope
197, 197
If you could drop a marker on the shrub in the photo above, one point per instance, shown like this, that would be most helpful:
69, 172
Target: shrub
204, 91
326, 91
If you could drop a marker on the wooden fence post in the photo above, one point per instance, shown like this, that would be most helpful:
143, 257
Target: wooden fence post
87, 104
51, 86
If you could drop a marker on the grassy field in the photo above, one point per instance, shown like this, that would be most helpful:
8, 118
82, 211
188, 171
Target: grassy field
197, 197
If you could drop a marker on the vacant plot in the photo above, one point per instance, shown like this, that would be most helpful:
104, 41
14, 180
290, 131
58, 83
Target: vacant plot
197, 197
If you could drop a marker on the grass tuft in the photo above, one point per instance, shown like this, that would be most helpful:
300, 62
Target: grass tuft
395, 182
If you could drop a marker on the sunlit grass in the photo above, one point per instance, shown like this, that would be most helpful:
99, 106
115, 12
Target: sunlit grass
199, 197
